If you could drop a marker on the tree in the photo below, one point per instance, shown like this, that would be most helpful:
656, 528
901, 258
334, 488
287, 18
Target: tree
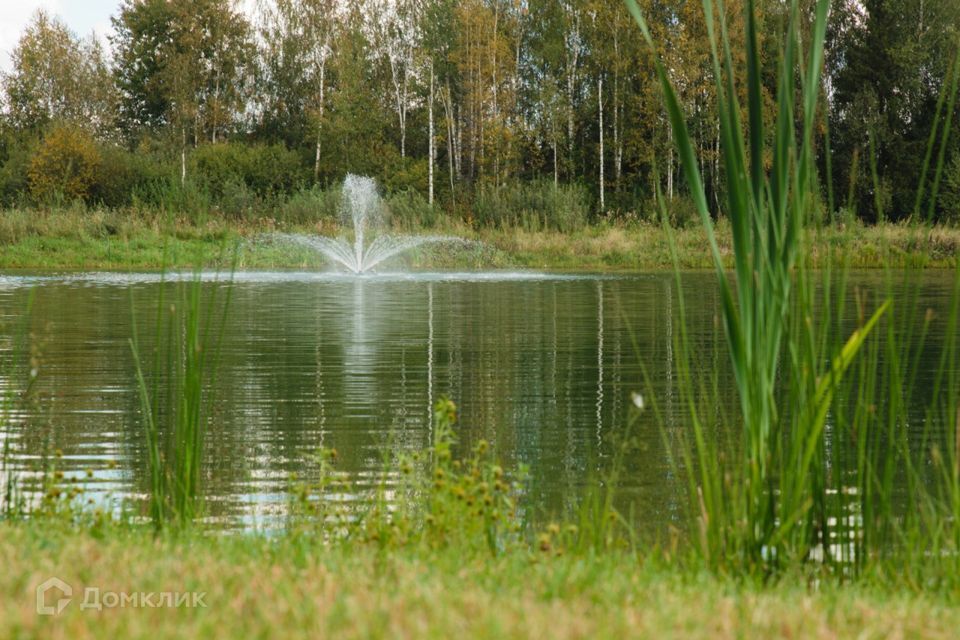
297, 38
183, 65
888, 61
64, 165
395, 35
57, 77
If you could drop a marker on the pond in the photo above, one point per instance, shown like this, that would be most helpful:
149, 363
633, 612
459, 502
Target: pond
544, 367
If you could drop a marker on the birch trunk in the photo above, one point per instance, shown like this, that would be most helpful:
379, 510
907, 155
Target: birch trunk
603, 205
431, 151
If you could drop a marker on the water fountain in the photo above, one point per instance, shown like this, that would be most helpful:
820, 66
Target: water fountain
363, 209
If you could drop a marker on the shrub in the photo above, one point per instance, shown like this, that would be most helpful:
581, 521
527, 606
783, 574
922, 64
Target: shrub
409, 210
14, 169
237, 200
168, 194
534, 206
121, 174
64, 165
308, 206
266, 170
404, 174
949, 200
682, 211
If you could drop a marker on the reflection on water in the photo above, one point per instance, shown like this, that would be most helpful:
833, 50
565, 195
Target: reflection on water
542, 367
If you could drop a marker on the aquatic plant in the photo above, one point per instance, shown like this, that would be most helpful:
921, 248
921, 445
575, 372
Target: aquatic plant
175, 399
782, 492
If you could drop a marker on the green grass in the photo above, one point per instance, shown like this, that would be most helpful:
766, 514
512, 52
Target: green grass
821, 506
68, 239
295, 587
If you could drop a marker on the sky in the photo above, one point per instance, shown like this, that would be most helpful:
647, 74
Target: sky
82, 16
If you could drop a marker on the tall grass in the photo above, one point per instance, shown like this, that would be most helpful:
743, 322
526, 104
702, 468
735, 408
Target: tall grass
535, 206
175, 398
785, 493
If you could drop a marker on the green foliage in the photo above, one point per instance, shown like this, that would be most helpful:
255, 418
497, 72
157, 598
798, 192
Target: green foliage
64, 165
889, 62
170, 195
184, 63
950, 195
14, 169
227, 169
532, 206
122, 174
440, 501
408, 209
309, 206
175, 399
57, 77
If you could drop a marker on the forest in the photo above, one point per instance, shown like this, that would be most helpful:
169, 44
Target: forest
471, 109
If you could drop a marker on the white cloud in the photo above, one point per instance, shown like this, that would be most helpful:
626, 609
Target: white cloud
13, 18
82, 16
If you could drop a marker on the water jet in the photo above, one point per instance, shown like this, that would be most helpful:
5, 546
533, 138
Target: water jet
362, 209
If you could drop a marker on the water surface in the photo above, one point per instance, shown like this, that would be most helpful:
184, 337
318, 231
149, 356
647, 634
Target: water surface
542, 366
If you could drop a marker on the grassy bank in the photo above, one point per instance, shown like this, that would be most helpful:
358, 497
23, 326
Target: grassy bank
66, 239
293, 587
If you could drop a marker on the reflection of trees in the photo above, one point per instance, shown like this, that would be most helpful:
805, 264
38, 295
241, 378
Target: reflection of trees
543, 370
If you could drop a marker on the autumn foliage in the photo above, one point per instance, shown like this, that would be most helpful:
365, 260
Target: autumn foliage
64, 165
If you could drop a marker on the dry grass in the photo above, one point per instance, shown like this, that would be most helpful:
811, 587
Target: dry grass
286, 588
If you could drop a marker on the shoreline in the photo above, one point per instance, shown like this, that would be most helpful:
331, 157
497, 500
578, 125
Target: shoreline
111, 241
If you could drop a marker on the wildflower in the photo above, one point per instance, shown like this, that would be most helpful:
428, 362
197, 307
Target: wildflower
544, 542
637, 400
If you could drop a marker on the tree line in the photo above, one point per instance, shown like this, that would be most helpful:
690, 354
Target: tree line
449, 99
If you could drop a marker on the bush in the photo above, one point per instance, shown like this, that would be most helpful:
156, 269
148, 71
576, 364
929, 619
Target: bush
238, 200
308, 206
682, 211
405, 174
949, 200
408, 209
266, 170
534, 206
65, 165
168, 194
121, 174
14, 178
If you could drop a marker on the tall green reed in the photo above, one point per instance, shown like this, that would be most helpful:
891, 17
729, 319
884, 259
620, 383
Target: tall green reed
175, 398
763, 501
